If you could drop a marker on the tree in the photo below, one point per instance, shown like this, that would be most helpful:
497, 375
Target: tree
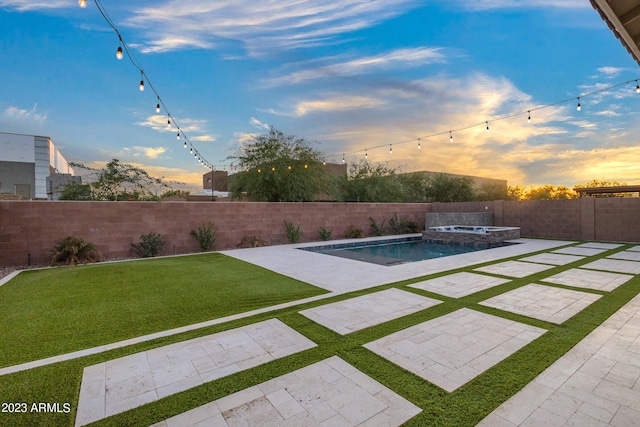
446, 188
371, 182
76, 191
550, 192
279, 168
122, 181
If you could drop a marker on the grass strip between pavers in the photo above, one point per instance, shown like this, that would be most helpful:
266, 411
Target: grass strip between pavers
464, 407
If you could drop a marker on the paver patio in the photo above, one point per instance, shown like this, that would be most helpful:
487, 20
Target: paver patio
118, 385
627, 255
368, 310
553, 259
574, 250
619, 266
328, 393
600, 245
542, 302
597, 383
514, 268
451, 350
599, 280
459, 284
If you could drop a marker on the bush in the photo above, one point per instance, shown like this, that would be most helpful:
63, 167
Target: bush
403, 225
324, 233
377, 230
73, 251
150, 245
206, 236
251, 242
354, 232
293, 233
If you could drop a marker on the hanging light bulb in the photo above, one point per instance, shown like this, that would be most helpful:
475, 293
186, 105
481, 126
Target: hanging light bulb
191, 150
141, 81
419, 147
82, 3
324, 163
306, 166
390, 149
366, 156
289, 167
487, 126
168, 121
158, 105
529, 118
579, 107
343, 158
185, 143
637, 87
119, 53
273, 168
450, 137
178, 135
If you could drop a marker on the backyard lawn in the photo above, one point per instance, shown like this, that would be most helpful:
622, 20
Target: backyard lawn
50, 312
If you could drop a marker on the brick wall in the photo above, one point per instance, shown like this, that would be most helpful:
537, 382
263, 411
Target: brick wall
35, 226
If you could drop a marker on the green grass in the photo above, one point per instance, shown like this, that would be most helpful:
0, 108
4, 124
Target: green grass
464, 407
49, 312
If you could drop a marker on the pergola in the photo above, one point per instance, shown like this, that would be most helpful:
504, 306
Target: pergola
607, 191
623, 18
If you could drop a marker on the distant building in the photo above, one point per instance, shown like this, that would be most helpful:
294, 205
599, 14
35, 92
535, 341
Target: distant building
32, 166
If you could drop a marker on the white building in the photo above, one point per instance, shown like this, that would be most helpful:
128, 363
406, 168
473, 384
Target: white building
26, 161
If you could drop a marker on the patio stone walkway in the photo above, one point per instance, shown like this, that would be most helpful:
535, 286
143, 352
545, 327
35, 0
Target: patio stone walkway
542, 302
589, 279
368, 310
619, 266
328, 393
574, 250
597, 383
553, 259
627, 255
514, 268
459, 284
451, 350
118, 385
599, 245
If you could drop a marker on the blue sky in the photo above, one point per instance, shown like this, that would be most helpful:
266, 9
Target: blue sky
350, 74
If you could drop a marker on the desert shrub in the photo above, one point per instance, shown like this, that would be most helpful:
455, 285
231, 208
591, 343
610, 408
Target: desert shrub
73, 251
293, 232
206, 236
324, 233
150, 245
252, 242
377, 229
354, 232
403, 225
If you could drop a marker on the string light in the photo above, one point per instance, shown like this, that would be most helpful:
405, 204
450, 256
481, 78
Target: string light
529, 118
185, 143
366, 156
158, 106
637, 87
82, 3
487, 123
168, 121
390, 149
419, 147
178, 136
119, 53
579, 107
343, 158
450, 136
141, 81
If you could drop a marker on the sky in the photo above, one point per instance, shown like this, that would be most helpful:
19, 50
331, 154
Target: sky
356, 76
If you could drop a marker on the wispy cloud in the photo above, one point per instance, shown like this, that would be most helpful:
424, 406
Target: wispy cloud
22, 115
159, 123
150, 152
399, 58
27, 5
260, 25
337, 103
519, 4
258, 124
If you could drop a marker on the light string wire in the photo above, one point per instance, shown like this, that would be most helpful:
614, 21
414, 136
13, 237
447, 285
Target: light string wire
187, 142
488, 121
145, 78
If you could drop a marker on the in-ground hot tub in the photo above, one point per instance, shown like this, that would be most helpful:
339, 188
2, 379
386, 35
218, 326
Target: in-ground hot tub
470, 235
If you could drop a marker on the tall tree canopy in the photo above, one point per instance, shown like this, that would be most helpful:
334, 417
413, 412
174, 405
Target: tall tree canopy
278, 168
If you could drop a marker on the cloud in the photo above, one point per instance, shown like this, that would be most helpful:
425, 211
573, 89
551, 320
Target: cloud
610, 72
159, 123
258, 124
399, 58
22, 115
519, 4
337, 103
27, 5
169, 43
260, 25
151, 152
204, 138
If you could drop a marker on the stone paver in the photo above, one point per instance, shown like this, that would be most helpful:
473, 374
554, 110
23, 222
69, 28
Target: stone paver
459, 284
634, 248
619, 266
597, 383
121, 384
628, 255
553, 259
368, 310
599, 245
514, 268
451, 350
542, 302
599, 280
327, 393
574, 250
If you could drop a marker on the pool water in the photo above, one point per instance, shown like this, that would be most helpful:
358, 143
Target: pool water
394, 252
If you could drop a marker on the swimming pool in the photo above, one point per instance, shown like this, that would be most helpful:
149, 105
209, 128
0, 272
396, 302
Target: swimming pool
394, 251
